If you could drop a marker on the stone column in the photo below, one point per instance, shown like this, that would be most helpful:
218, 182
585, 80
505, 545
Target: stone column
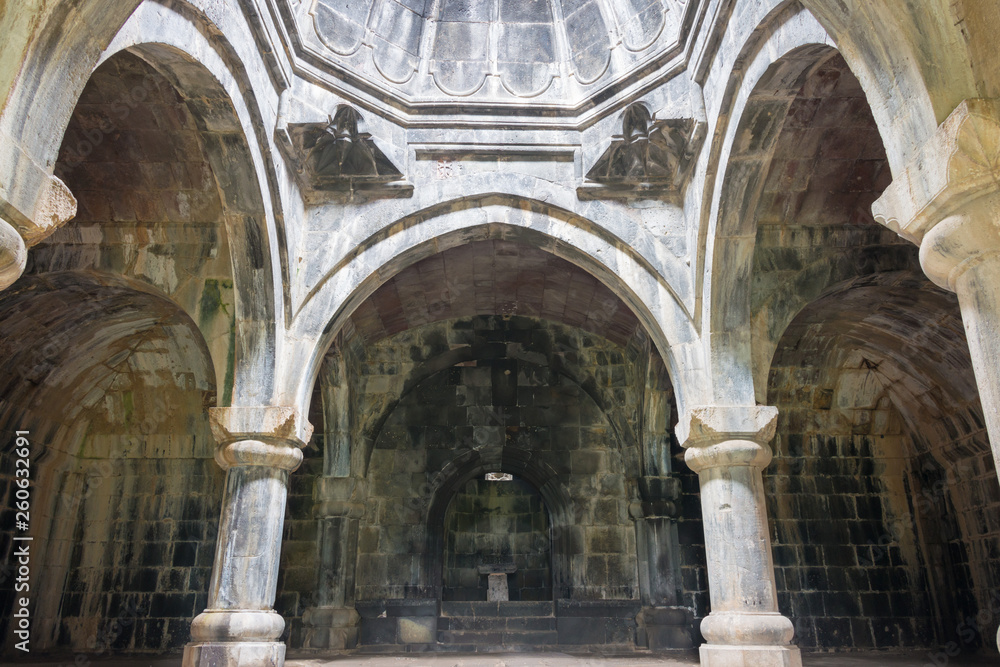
727, 447
13, 254
333, 622
258, 447
947, 201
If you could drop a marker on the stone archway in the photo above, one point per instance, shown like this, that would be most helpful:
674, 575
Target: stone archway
496, 356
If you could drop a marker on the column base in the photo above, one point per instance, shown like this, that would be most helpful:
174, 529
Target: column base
234, 654
720, 655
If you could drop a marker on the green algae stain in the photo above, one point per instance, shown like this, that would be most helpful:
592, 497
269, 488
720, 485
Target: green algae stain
214, 304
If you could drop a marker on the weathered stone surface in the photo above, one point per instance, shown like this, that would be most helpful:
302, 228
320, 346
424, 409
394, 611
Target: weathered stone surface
475, 266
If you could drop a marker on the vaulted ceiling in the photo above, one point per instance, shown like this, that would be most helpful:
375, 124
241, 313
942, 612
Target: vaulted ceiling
494, 278
558, 52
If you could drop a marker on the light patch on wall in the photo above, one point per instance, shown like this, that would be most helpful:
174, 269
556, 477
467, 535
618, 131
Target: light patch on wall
498, 477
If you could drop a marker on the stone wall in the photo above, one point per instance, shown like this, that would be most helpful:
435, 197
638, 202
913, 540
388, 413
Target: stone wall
879, 493
500, 407
142, 555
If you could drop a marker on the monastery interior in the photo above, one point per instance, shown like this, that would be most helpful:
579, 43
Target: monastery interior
345, 327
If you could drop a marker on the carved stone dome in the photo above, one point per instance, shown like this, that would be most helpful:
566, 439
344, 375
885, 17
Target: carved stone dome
553, 52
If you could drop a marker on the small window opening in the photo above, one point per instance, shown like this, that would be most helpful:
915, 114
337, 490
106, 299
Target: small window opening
498, 477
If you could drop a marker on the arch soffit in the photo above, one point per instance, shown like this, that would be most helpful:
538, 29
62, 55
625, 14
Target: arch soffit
914, 66
173, 41
127, 300
918, 362
795, 44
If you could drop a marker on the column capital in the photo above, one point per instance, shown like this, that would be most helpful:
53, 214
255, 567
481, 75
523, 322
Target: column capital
957, 165
710, 425
259, 435
725, 436
340, 497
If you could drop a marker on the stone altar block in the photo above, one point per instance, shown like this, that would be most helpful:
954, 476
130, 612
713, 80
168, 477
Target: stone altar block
498, 590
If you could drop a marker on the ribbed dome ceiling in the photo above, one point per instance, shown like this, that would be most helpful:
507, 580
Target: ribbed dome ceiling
554, 51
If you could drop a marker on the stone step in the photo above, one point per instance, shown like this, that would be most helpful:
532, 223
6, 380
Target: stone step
505, 609
497, 623
485, 640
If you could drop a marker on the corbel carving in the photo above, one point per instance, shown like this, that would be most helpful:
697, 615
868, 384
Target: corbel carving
340, 160
650, 158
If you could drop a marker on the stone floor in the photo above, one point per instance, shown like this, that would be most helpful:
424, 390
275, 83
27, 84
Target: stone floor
869, 659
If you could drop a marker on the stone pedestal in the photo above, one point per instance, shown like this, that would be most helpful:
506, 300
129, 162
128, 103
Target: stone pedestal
331, 627
727, 447
947, 201
258, 447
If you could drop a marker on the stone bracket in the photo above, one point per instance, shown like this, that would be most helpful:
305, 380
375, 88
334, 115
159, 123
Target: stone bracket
656, 509
960, 162
36, 203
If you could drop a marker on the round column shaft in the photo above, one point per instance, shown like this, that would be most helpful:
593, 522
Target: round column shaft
727, 447
240, 627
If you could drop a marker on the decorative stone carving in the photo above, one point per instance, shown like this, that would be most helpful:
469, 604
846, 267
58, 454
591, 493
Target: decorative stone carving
651, 158
338, 159
961, 162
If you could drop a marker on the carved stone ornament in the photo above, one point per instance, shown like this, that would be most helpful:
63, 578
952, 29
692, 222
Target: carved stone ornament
959, 163
650, 158
338, 160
